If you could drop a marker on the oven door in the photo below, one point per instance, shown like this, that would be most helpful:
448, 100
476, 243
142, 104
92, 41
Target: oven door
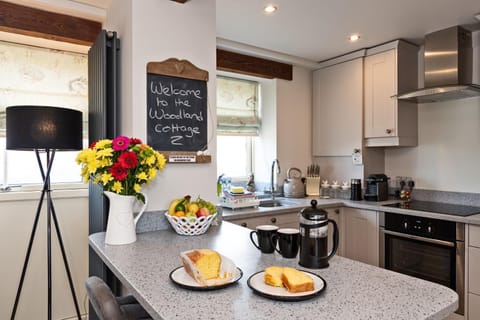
429, 259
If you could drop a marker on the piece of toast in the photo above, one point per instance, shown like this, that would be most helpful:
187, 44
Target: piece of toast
296, 281
273, 276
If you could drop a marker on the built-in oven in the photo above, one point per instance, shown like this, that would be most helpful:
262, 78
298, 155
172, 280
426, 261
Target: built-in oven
425, 248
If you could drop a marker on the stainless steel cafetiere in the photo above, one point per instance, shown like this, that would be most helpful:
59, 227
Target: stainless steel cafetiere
314, 237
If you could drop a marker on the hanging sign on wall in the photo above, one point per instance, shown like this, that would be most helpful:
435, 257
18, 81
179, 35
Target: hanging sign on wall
177, 110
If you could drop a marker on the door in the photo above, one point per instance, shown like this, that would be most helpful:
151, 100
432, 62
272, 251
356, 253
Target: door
380, 91
361, 235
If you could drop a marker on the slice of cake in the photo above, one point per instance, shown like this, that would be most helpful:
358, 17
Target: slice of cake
202, 264
296, 281
273, 276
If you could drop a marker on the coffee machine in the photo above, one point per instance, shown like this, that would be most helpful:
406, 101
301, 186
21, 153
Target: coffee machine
376, 187
314, 237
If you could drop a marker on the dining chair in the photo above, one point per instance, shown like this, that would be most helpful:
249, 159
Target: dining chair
109, 307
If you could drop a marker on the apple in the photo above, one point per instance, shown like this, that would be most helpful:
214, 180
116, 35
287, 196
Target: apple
203, 212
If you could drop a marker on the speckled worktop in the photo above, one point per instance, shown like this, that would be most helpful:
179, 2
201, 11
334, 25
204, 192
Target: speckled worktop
292, 204
354, 290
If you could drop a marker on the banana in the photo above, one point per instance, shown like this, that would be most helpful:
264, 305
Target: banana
173, 205
176, 202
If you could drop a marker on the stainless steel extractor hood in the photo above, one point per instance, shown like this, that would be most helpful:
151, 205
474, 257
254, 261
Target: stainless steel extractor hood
448, 67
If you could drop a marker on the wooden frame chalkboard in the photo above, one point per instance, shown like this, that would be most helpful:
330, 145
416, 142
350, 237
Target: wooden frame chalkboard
177, 110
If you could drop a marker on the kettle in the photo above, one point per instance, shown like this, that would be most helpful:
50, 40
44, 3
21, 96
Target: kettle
293, 186
314, 237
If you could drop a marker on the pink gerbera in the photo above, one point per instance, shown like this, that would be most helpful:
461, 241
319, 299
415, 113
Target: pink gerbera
128, 159
118, 172
120, 143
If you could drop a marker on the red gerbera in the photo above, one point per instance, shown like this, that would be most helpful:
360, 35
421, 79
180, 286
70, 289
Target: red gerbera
135, 141
128, 159
120, 143
118, 172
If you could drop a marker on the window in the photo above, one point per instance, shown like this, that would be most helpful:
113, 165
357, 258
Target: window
40, 76
238, 122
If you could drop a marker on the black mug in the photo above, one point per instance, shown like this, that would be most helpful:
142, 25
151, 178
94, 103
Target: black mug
288, 240
264, 235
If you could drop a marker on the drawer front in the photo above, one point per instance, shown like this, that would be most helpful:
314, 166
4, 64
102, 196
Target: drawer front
287, 220
473, 306
474, 270
474, 232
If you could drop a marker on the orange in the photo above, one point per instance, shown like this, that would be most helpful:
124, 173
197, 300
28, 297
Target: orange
180, 214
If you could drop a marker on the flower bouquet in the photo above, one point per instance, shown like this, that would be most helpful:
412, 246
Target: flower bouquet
121, 165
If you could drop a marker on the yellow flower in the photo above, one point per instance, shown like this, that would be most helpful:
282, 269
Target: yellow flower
107, 152
150, 160
152, 173
102, 143
160, 160
141, 176
117, 187
137, 188
106, 177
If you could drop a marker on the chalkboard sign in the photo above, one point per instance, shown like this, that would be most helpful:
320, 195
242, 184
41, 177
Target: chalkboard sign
176, 107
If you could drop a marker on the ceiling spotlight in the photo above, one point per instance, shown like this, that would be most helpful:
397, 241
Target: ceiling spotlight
270, 8
354, 37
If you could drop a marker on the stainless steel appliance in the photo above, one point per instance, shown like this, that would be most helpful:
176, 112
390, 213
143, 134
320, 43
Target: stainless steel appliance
376, 187
314, 237
425, 248
293, 186
448, 63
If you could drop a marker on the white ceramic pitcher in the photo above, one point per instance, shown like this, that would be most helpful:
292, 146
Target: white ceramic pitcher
121, 224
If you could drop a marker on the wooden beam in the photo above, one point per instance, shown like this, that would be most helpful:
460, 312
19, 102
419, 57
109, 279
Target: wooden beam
254, 66
34, 22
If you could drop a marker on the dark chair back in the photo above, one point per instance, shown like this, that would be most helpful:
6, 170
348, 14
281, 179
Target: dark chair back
103, 301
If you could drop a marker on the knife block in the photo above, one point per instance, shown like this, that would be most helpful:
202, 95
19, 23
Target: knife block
313, 186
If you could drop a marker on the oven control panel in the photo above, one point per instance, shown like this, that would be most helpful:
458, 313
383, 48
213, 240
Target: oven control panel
421, 226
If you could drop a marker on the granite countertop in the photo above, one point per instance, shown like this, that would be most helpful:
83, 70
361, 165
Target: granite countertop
295, 204
354, 290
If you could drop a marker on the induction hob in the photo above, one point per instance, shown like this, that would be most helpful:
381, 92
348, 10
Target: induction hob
437, 207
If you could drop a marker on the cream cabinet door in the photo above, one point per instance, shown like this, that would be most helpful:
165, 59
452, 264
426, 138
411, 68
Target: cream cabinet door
380, 91
337, 109
361, 235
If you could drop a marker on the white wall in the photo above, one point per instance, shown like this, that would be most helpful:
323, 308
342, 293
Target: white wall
448, 150
152, 30
294, 124
16, 221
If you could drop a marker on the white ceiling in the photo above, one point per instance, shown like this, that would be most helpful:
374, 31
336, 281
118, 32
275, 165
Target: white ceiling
317, 30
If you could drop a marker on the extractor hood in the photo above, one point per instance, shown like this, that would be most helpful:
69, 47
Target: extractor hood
448, 67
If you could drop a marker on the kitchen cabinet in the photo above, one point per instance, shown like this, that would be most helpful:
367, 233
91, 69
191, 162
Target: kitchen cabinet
389, 70
282, 220
473, 303
361, 235
337, 108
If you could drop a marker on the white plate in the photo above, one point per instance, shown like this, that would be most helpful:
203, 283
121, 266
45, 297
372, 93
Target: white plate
257, 283
181, 278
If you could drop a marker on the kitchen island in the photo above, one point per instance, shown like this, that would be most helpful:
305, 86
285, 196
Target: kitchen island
354, 290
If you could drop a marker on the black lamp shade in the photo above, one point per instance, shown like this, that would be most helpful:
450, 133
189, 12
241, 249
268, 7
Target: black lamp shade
41, 127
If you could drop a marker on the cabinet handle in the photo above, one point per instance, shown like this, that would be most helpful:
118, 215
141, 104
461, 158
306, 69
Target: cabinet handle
388, 131
273, 220
337, 211
244, 224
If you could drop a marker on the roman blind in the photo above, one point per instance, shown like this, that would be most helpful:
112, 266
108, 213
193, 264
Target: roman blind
237, 107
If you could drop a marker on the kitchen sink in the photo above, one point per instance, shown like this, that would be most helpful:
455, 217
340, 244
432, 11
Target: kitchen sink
270, 203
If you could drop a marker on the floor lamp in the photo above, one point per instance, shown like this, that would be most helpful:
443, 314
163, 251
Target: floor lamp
44, 129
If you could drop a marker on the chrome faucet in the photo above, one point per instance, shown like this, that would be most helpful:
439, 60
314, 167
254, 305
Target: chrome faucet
272, 177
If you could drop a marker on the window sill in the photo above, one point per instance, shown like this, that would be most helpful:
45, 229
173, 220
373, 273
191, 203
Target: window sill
34, 192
